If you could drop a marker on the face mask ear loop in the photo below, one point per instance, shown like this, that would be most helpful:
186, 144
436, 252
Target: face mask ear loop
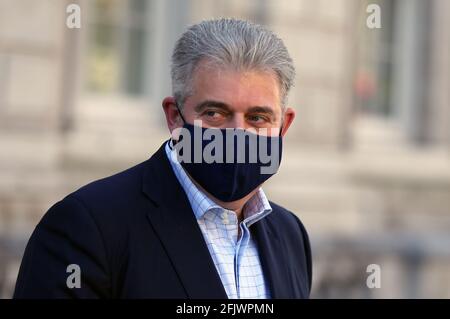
182, 117
179, 111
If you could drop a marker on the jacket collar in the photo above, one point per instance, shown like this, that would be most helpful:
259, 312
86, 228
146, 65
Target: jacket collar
178, 230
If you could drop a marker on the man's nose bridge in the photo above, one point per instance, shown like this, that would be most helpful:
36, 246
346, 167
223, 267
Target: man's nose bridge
238, 121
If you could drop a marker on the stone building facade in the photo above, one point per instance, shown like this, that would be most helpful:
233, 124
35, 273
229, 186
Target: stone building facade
367, 163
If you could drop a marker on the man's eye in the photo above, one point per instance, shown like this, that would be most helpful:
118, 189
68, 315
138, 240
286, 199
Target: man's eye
257, 118
211, 113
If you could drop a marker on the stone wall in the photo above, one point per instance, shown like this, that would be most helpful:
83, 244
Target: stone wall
352, 180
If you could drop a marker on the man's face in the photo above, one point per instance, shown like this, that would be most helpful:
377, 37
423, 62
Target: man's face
223, 98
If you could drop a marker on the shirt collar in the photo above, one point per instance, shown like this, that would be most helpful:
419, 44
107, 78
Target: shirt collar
256, 208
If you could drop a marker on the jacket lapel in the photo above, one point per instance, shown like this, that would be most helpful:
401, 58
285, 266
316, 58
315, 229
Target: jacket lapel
272, 256
174, 222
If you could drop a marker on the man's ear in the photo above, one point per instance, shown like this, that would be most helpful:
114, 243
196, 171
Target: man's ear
288, 118
173, 117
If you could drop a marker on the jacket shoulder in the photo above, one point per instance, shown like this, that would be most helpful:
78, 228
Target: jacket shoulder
112, 187
285, 216
289, 226
115, 204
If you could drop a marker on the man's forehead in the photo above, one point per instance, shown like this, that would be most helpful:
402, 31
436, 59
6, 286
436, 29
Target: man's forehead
235, 87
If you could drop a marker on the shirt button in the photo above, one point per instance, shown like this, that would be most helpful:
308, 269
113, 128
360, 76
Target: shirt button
225, 218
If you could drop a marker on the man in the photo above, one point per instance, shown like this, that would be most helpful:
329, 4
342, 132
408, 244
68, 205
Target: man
174, 228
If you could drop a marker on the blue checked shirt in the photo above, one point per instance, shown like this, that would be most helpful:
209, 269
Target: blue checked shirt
236, 258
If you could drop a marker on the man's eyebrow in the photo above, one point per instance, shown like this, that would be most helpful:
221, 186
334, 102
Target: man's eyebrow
262, 109
210, 103
221, 105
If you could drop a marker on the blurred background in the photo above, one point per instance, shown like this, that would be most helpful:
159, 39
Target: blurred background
367, 161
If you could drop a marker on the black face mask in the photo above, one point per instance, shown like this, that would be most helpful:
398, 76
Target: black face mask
231, 168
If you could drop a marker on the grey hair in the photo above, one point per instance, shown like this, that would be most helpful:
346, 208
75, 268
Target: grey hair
231, 43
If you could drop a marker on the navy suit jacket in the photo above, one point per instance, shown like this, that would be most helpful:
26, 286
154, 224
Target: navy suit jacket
134, 235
